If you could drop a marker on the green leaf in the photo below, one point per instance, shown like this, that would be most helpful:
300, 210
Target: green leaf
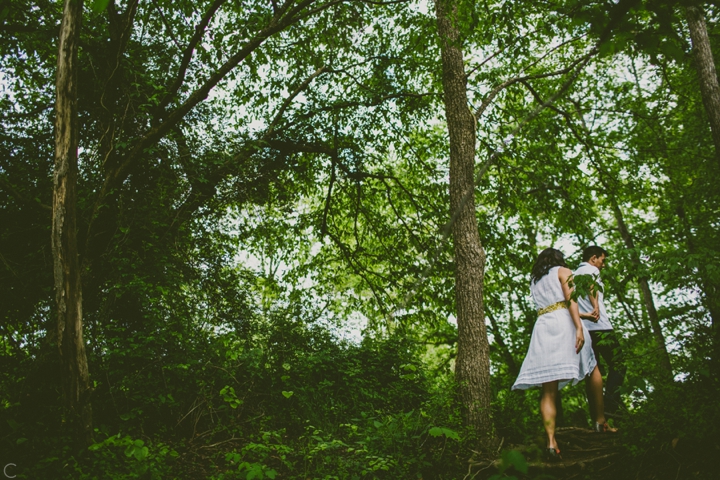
255, 470
672, 51
447, 432
287, 394
141, 453
515, 459
98, 6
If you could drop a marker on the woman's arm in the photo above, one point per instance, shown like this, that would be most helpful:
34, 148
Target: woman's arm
564, 275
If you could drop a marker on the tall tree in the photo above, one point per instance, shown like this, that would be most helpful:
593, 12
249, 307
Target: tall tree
121, 137
68, 285
472, 366
706, 71
710, 91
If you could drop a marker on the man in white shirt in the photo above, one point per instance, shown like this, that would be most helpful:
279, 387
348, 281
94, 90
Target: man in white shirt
604, 340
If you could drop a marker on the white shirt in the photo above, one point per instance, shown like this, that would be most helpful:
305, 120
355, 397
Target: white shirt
584, 303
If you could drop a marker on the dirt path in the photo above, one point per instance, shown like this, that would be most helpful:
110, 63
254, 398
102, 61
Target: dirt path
581, 448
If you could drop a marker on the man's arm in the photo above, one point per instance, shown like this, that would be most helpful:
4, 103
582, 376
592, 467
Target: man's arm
593, 316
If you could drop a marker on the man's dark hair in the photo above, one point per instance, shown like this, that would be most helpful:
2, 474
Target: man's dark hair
593, 251
547, 259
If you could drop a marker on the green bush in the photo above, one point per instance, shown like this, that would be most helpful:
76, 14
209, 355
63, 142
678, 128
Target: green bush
121, 457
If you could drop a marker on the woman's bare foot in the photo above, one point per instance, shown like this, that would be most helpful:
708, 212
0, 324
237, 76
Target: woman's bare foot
604, 428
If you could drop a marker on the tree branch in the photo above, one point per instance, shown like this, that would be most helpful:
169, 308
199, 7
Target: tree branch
8, 187
493, 93
288, 101
359, 271
323, 227
116, 176
156, 133
188, 53
170, 32
505, 351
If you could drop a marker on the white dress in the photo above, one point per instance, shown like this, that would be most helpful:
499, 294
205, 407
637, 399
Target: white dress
551, 355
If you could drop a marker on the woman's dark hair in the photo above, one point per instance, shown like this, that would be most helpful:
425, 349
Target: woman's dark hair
547, 259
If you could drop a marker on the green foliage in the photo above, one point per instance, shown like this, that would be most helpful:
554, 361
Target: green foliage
368, 447
584, 286
261, 453
228, 394
440, 431
98, 6
124, 458
223, 267
510, 459
688, 416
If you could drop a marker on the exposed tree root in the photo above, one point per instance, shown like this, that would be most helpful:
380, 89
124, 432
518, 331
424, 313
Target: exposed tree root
580, 448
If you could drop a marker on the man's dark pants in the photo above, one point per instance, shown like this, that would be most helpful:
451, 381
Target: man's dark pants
606, 345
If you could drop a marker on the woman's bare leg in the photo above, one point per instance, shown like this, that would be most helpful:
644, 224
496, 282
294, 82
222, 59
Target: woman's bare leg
548, 411
594, 389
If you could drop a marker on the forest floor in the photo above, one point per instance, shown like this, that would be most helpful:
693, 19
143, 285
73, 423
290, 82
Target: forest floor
587, 455
582, 448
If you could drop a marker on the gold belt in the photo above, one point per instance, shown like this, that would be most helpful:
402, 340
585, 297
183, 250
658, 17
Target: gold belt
553, 307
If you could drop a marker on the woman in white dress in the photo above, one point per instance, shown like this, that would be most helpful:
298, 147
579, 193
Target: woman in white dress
558, 352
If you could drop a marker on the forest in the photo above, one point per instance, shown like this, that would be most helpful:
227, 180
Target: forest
292, 239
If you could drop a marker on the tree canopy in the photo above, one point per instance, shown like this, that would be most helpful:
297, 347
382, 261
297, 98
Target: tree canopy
265, 243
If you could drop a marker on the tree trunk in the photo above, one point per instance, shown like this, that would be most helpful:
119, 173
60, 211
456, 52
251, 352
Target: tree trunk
472, 366
707, 74
68, 289
647, 295
710, 91
710, 291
